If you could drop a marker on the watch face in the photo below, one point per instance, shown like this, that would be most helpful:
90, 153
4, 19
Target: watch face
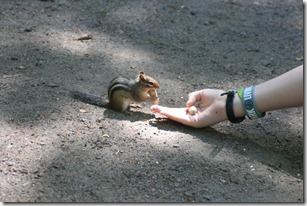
249, 104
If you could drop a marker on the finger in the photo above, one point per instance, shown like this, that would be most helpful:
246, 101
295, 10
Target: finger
167, 111
156, 108
176, 114
193, 98
172, 113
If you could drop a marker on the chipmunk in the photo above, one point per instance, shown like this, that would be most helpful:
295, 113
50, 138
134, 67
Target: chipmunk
122, 92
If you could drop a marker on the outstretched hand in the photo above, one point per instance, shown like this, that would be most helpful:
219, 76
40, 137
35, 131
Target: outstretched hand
211, 109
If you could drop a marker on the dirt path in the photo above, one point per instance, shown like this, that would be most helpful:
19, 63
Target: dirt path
55, 149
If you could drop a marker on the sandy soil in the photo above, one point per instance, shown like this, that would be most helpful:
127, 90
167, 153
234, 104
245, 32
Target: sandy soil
56, 149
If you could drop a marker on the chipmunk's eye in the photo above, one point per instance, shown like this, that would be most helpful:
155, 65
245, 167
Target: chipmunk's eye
151, 83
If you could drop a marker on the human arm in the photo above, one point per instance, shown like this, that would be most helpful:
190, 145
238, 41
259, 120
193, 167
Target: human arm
281, 92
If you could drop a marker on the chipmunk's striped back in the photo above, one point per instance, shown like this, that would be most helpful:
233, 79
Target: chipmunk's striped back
118, 83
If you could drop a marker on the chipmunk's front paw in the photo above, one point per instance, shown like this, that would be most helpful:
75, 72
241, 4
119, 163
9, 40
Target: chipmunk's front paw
134, 105
155, 100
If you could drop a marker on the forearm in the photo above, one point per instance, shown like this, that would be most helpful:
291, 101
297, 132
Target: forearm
284, 91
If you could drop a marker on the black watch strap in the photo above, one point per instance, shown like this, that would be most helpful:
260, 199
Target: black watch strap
229, 107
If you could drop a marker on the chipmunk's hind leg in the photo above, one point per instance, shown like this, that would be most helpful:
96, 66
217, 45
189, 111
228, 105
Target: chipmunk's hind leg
121, 102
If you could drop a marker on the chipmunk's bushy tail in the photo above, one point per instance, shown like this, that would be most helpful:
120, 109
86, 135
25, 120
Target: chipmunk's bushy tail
89, 98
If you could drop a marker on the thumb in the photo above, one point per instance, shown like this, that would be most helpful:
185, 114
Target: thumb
191, 101
193, 98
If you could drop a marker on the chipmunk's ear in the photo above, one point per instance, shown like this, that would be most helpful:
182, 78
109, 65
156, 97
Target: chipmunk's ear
142, 75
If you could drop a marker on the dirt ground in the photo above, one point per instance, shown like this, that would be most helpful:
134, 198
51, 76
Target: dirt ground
56, 149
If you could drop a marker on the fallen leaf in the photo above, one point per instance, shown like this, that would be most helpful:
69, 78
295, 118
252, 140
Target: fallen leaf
83, 111
52, 85
85, 37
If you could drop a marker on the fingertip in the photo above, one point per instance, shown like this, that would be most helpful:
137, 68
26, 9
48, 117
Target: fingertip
191, 101
155, 108
194, 97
